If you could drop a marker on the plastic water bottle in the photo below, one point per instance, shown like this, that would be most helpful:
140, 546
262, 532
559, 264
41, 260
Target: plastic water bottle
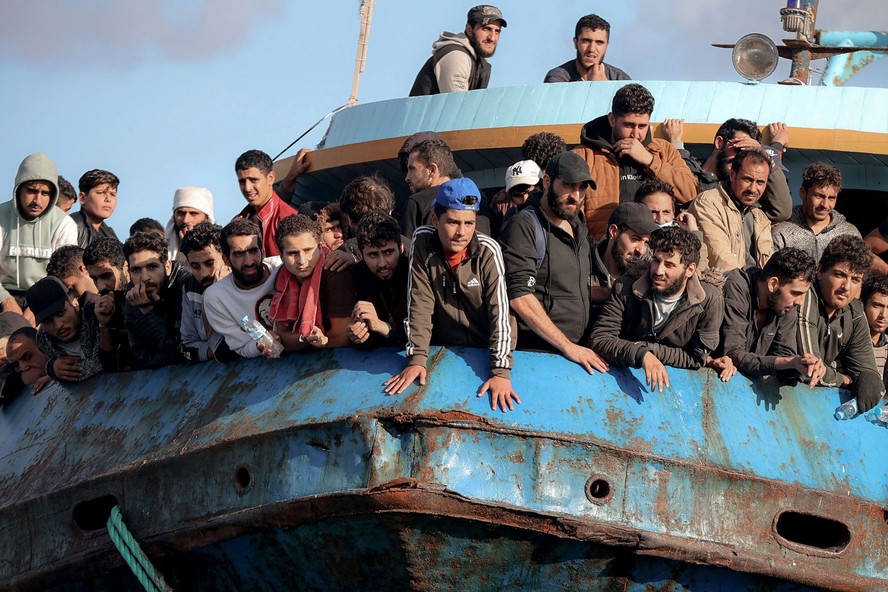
260, 335
878, 416
846, 410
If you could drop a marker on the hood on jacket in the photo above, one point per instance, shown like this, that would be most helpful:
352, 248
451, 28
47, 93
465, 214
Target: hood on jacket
448, 38
37, 167
598, 133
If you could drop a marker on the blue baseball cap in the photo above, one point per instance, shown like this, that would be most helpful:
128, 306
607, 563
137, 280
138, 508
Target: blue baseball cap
459, 194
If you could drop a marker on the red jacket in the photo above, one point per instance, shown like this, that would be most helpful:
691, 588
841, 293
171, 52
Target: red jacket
274, 210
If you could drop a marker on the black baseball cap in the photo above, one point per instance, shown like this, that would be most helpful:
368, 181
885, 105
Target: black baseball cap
570, 168
47, 298
484, 14
634, 215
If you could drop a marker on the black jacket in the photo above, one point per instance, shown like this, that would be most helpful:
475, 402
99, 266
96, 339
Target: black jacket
624, 332
389, 298
754, 351
560, 283
154, 337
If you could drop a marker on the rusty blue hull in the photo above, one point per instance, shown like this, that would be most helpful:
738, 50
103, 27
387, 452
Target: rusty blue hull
301, 474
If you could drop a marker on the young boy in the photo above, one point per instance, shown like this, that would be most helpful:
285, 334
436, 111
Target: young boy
77, 344
458, 293
312, 306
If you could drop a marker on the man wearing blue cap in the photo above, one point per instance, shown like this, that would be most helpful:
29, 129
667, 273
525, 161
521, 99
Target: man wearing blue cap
457, 293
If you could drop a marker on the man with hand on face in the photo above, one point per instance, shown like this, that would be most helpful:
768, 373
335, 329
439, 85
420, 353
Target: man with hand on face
26, 358
246, 291
106, 265
760, 332
668, 317
153, 312
200, 246
380, 281
833, 325
591, 38
815, 222
98, 198
459, 62
77, 344
191, 206
265, 209
31, 229
458, 294
736, 232
621, 154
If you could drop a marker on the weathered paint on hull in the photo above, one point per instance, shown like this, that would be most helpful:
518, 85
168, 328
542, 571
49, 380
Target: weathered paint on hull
205, 459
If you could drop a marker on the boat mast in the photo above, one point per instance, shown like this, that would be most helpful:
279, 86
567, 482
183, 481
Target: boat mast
363, 44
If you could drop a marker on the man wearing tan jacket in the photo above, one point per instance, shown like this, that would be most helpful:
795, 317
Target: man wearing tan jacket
735, 230
621, 154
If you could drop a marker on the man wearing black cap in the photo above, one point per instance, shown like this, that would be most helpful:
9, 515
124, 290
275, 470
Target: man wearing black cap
629, 230
459, 61
668, 317
77, 343
457, 295
546, 250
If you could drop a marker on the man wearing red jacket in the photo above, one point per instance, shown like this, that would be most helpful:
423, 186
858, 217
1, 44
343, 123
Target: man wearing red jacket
266, 209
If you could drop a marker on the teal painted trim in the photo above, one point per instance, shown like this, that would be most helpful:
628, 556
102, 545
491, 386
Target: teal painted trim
856, 109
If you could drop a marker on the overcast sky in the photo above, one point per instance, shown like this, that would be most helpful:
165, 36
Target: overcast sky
168, 93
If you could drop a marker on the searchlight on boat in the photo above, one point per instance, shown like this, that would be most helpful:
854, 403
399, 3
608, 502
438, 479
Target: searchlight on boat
754, 57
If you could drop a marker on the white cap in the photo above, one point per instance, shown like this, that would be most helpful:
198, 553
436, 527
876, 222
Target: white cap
198, 198
524, 172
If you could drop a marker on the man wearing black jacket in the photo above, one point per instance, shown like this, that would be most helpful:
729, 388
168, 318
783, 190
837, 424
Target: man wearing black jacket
153, 312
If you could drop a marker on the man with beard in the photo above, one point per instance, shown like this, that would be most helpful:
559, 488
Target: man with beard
548, 264
629, 230
815, 222
668, 317
621, 154
191, 206
736, 232
247, 290
733, 136
459, 61
833, 325
200, 247
429, 164
591, 38
154, 302
380, 281
874, 296
760, 331
106, 265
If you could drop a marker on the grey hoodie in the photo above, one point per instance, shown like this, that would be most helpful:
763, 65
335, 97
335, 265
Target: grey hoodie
453, 67
26, 245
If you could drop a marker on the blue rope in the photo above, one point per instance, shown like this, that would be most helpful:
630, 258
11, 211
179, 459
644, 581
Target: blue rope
132, 554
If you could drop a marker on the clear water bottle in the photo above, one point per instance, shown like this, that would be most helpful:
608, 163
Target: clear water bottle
878, 416
846, 410
260, 335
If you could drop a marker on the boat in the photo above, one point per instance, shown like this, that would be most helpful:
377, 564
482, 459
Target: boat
301, 474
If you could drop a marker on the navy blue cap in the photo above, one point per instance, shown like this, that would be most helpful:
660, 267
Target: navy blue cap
459, 194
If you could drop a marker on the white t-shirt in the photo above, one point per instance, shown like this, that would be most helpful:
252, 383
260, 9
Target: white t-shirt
663, 307
225, 305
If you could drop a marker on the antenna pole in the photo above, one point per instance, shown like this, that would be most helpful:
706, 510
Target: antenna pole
363, 44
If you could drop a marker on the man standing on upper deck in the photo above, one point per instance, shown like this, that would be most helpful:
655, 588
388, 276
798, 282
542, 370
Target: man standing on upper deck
459, 61
621, 154
591, 38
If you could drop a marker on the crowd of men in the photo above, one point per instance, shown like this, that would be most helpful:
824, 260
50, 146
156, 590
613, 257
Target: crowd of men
623, 251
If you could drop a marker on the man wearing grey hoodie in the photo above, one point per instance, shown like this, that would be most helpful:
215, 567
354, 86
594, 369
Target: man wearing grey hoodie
459, 61
31, 228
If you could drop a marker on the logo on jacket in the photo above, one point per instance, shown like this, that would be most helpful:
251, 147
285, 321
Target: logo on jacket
473, 283
531, 282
